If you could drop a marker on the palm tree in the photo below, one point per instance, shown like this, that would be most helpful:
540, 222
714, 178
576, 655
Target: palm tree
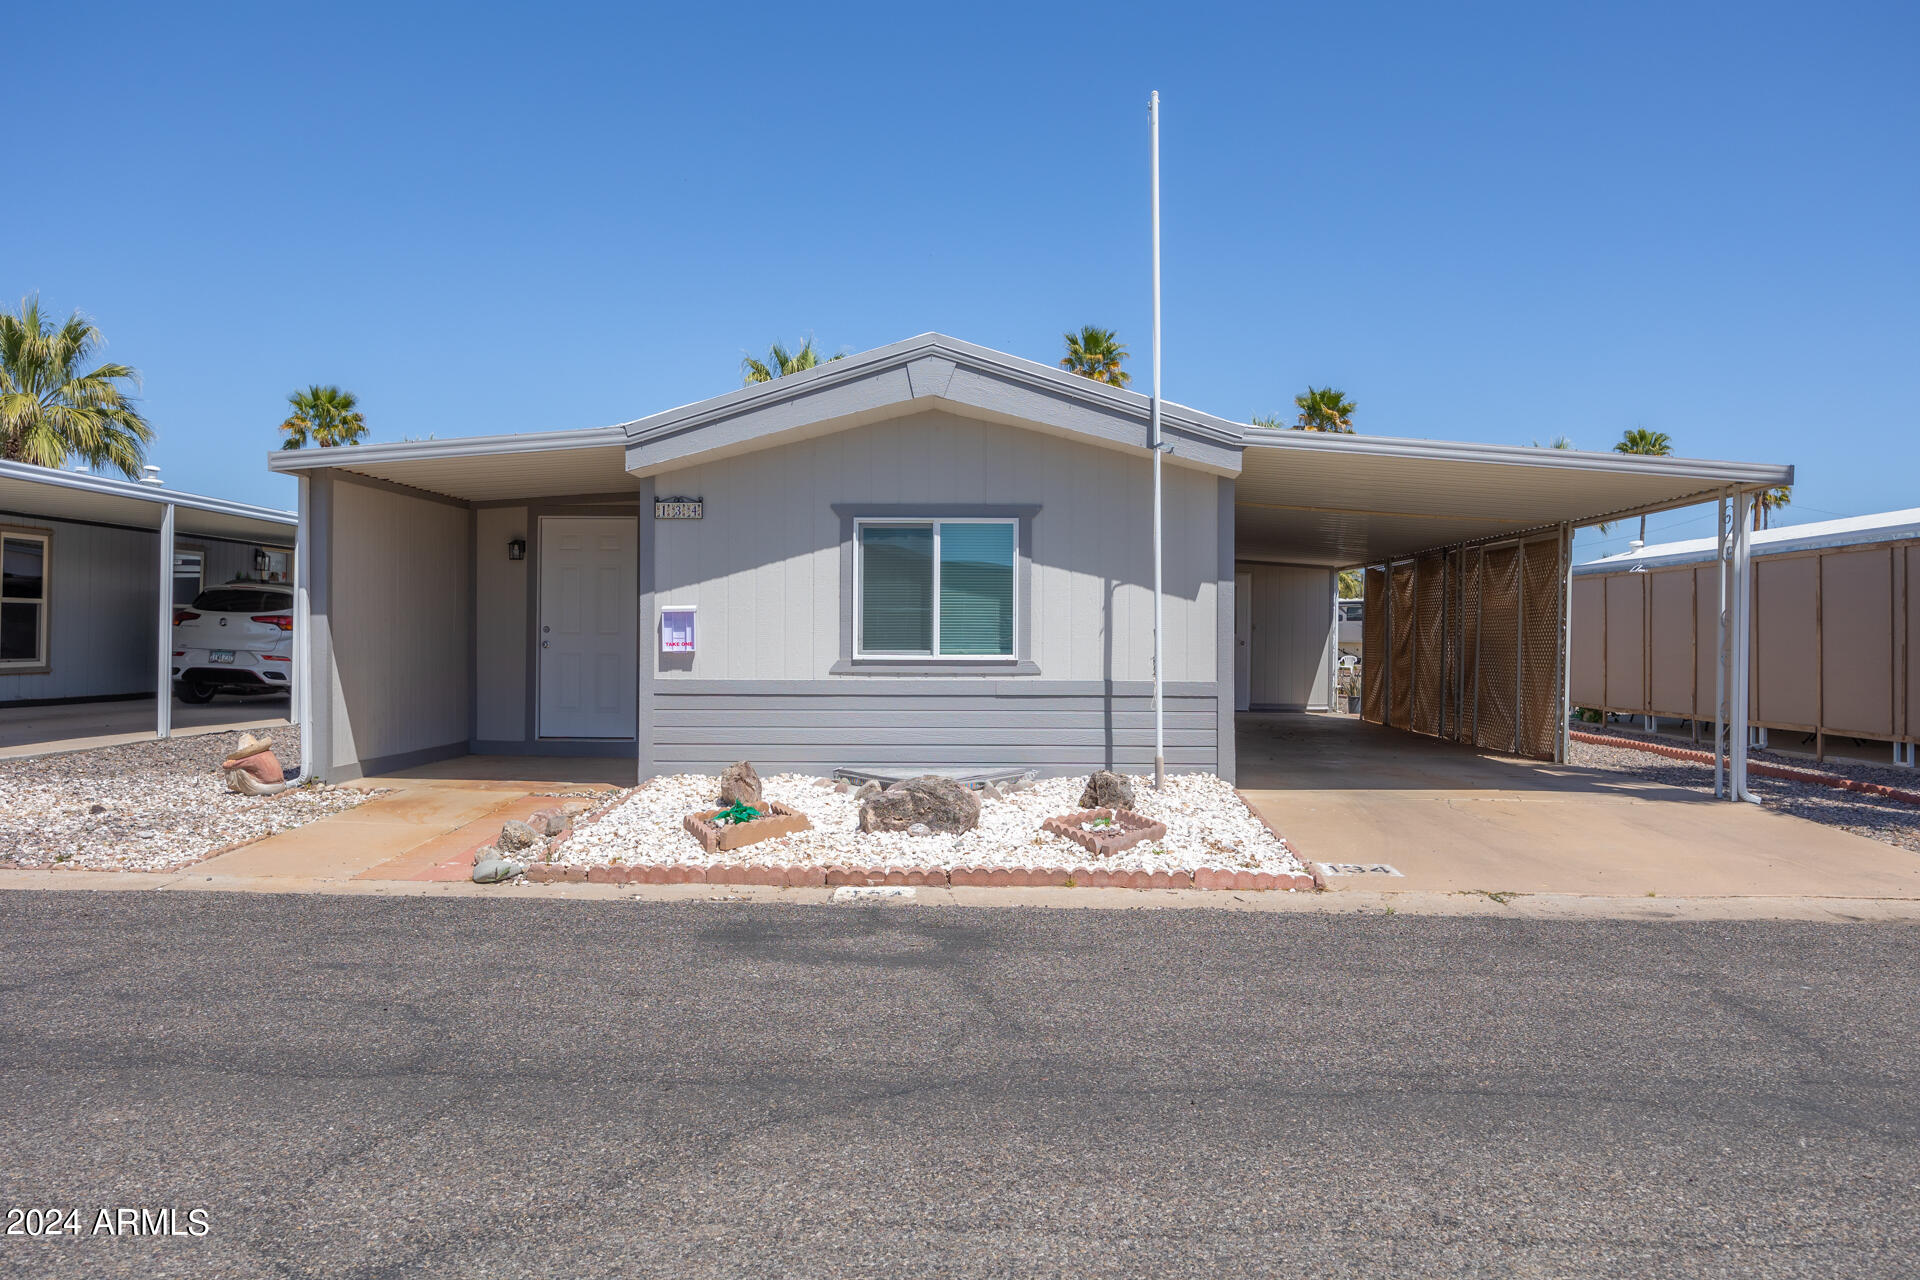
1324, 409
50, 411
1765, 504
1095, 353
1352, 585
327, 416
780, 362
1652, 444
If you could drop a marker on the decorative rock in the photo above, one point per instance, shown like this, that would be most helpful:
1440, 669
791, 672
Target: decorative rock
516, 835
494, 870
261, 764
483, 853
940, 803
866, 789
1106, 790
919, 829
740, 784
547, 822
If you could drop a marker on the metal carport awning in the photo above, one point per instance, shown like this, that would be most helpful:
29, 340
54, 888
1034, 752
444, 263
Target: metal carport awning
1340, 501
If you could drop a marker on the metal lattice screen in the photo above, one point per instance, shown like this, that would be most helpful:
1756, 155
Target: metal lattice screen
1373, 648
1400, 618
1469, 647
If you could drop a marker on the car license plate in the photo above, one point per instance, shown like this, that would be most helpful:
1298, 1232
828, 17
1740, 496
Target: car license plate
220, 655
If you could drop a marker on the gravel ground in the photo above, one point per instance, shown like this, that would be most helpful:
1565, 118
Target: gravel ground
1888, 821
146, 806
1207, 826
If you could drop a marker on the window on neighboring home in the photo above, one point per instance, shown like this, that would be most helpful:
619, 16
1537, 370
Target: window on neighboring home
188, 569
935, 588
23, 600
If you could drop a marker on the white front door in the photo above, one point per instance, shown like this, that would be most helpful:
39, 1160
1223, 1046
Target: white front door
589, 635
1242, 641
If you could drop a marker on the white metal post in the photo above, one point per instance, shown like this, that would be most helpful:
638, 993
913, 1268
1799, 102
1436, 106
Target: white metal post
303, 629
163, 686
1742, 639
1333, 649
1159, 701
1722, 677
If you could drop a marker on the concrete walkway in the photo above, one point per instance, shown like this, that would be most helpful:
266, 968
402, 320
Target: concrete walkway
425, 828
1453, 820
77, 726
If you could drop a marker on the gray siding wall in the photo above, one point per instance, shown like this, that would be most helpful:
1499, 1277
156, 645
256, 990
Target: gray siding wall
501, 600
1292, 621
400, 609
763, 565
815, 726
103, 594
764, 568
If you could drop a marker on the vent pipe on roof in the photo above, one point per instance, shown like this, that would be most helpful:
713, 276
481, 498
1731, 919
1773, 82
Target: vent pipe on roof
152, 475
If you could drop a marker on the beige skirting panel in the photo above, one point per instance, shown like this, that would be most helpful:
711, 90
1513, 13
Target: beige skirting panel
1831, 649
1464, 644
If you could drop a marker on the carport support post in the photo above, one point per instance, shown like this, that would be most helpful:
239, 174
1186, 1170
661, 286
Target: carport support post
163, 687
1742, 629
1563, 657
1721, 676
303, 628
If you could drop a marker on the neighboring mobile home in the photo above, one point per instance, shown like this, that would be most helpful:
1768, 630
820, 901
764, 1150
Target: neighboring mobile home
94, 567
930, 555
1836, 605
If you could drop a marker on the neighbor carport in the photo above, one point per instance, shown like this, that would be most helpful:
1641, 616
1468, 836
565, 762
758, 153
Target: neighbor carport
105, 558
1468, 555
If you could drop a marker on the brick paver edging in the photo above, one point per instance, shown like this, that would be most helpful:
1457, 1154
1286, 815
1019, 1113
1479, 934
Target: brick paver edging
800, 877
1785, 772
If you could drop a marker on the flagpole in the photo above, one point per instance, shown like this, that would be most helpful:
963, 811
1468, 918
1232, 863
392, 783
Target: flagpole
1159, 699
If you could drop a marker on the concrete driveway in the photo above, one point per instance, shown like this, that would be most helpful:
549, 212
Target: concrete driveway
75, 726
1454, 820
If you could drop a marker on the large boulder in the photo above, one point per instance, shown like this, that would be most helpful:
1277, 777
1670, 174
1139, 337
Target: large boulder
515, 836
1107, 791
740, 784
940, 803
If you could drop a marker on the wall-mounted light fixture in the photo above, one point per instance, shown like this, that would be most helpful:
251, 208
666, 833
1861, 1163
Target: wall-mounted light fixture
517, 549
260, 561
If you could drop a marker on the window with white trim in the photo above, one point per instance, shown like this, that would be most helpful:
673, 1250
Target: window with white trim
23, 600
935, 588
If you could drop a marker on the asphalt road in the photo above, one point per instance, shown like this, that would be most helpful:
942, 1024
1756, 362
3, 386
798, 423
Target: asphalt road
367, 1087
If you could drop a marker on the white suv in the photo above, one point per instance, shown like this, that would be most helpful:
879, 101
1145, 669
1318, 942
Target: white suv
234, 639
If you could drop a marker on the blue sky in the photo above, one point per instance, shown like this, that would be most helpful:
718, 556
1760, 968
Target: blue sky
1496, 223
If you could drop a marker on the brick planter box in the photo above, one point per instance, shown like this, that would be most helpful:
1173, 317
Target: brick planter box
717, 837
1128, 829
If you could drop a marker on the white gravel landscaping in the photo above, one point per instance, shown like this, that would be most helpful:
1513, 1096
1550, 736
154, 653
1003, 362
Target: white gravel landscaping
146, 806
1207, 826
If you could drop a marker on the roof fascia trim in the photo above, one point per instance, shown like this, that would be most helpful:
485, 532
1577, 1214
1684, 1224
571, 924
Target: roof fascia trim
933, 366
361, 455
138, 491
1738, 473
